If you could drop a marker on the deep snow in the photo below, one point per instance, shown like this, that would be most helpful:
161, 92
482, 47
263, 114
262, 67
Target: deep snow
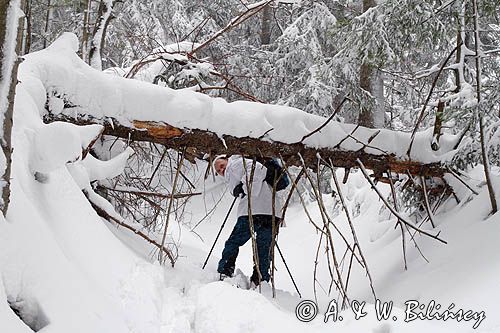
64, 269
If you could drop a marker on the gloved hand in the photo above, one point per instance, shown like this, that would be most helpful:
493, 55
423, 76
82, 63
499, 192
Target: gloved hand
238, 191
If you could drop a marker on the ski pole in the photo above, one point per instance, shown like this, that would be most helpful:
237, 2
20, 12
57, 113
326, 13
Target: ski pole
289, 273
221, 227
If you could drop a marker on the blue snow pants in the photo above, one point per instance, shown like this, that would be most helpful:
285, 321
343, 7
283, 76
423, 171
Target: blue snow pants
240, 235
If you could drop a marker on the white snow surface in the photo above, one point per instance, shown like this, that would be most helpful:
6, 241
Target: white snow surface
66, 76
66, 270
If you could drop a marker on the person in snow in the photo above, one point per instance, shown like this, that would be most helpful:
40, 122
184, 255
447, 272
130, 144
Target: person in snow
236, 171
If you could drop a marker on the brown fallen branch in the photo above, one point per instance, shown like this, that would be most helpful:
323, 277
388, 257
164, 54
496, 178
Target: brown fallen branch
153, 194
102, 213
205, 142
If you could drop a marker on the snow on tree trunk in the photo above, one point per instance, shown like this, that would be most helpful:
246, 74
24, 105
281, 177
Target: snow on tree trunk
10, 15
84, 49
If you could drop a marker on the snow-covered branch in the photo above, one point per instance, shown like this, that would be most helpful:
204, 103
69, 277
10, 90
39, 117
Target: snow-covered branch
183, 118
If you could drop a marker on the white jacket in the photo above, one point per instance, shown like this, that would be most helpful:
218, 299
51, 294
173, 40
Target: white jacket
261, 201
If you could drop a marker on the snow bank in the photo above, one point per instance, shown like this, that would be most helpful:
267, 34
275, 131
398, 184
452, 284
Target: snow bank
66, 77
61, 268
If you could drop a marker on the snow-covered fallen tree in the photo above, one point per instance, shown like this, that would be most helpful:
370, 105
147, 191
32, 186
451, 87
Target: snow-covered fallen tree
186, 119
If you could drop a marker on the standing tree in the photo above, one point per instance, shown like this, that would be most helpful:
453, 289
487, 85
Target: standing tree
104, 16
370, 80
10, 30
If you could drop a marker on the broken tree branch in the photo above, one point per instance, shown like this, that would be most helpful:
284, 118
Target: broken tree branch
102, 213
327, 121
206, 142
153, 194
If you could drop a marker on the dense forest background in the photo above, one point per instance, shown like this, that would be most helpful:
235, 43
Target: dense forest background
392, 60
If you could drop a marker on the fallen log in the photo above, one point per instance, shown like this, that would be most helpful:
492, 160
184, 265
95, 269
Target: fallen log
200, 142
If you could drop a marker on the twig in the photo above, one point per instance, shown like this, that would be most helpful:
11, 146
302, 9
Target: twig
353, 231
327, 121
329, 239
394, 199
234, 22
171, 201
422, 112
294, 187
102, 213
324, 215
157, 166
316, 267
454, 174
153, 194
249, 183
426, 202
363, 170
91, 143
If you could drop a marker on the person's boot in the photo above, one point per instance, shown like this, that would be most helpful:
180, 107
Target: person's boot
223, 276
254, 279
228, 270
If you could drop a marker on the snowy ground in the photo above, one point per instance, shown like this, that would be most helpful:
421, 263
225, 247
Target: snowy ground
64, 269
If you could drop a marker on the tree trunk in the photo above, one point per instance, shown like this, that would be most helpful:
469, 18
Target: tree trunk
201, 142
10, 42
265, 32
48, 23
370, 79
85, 31
97, 43
458, 56
484, 149
27, 38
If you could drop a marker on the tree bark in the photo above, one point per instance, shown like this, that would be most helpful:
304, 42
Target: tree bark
27, 39
366, 111
9, 48
484, 149
84, 49
48, 19
370, 79
265, 32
